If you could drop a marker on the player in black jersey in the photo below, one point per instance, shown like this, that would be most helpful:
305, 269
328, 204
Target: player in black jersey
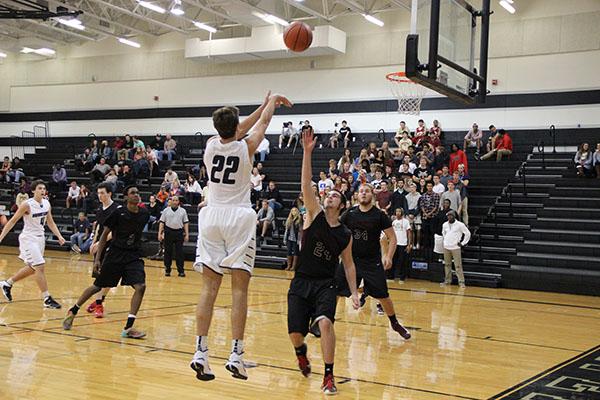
107, 206
122, 261
366, 223
312, 293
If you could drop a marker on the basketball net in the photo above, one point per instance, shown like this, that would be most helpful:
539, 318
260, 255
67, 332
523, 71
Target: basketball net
408, 93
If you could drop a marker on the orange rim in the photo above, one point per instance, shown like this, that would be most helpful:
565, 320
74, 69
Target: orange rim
398, 77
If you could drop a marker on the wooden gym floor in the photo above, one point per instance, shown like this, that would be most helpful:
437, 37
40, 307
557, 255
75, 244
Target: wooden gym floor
470, 345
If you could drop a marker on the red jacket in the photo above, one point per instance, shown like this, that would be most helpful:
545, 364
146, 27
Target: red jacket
505, 143
458, 158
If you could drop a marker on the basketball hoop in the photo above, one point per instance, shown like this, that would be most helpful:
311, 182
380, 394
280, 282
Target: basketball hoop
408, 93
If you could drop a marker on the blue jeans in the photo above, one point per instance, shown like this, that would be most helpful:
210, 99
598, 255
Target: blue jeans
275, 205
151, 220
78, 239
85, 246
170, 153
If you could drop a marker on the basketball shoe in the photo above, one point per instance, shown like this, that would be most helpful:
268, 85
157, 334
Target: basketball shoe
200, 365
235, 365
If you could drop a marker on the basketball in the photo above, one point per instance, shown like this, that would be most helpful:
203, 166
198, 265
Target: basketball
297, 36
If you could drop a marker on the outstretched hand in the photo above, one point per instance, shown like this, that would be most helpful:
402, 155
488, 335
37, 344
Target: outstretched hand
308, 140
280, 100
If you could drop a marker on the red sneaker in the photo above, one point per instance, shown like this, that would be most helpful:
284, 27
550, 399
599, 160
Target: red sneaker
91, 307
99, 311
328, 386
304, 365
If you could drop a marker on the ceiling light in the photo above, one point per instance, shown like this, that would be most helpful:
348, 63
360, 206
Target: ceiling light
272, 19
507, 6
205, 27
73, 23
42, 52
152, 7
177, 11
373, 20
129, 43
3, 55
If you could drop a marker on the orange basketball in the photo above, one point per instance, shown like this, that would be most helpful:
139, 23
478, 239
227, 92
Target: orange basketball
297, 36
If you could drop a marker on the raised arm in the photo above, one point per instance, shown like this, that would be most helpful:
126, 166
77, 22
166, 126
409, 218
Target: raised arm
251, 119
22, 210
350, 271
310, 201
258, 133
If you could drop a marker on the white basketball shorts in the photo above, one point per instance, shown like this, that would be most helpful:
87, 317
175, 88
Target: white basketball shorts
226, 239
31, 249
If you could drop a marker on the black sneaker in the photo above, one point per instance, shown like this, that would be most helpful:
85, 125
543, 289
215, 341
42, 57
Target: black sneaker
380, 309
397, 326
181, 274
49, 302
168, 273
6, 290
363, 299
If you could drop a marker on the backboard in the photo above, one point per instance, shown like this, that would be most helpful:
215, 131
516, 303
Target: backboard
446, 38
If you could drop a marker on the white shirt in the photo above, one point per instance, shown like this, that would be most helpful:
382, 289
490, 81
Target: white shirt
256, 181
35, 220
401, 228
193, 188
74, 191
453, 233
324, 184
439, 188
263, 146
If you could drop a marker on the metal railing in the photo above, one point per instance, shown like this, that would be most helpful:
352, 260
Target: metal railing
552, 132
541, 149
522, 173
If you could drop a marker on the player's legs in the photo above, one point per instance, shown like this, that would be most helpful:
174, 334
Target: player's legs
67, 323
210, 288
299, 314
240, 280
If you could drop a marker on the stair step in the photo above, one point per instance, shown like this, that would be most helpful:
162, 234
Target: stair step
550, 270
559, 257
540, 230
561, 244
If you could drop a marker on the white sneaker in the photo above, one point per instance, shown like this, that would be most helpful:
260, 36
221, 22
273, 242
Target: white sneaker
235, 365
462, 285
200, 365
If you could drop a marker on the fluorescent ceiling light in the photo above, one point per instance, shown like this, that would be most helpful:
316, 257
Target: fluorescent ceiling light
73, 23
205, 27
3, 55
507, 6
130, 43
272, 19
152, 7
373, 20
42, 52
177, 11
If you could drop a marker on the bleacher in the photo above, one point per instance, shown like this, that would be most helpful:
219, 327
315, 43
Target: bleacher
542, 235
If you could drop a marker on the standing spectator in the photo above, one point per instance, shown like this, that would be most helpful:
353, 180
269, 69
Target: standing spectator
473, 139
429, 204
445, 176
414, 213
264, 220
346, 133
456, 236
401, 261
257, 185
438, 187
596, 160
291, 238
453, 196
81, 229
274, 197
263, 149
99, 171
384, 198
73, 195
94, 150
440, 158
399, 197
6, 164
289, 133
59, 179
154, 209
503, 147
173, 229
325, 184
462, 186
457, 156
193, 191
169, 148
423, 171
584, 160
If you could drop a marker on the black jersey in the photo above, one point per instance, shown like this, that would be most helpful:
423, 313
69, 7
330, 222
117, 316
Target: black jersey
127, 227
321, 247
366, 230
102, 214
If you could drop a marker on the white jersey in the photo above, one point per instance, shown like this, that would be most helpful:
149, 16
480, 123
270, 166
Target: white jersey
35, 220
229, 169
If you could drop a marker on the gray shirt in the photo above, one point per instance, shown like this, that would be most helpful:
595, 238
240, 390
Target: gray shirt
174, 219
269, 215
454, 198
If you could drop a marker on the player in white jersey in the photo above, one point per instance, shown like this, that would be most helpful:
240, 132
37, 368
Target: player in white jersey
32, 241
227, 227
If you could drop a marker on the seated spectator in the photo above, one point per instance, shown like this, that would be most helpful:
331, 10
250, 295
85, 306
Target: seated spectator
117, 144
325, 184
473, 139
346, 158
193, 191
111, 178
140, 166
154, 209
81, 229
503, 148
59, 179
170, 176
176, 189
105, 150
94, 150
452, 195
288, 133
457, 156
491, 142
372, 151
400, 132
420, 133
291, 237
332, 171
162, 196
383, 198
73, 195
169, 148
203, 176
274, 197
263, 150
435, 132
335, 137
125, 177
423, 171
84, 161
158, 143
152, 159
596, 160
438, 186
126, 147
99, 171
584, 161
346, 133
6, 164
257, 184
264, 220
85, 200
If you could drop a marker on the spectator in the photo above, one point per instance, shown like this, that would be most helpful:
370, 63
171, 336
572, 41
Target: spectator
158, 143
346, 158
94, 150
335, 137
462, 185
457, 156
263, 174
193, 191
264, 220
377, 179
423, 171
411, 165
126, 148
403, 141
15, 173
81, 229
502, 148
152, 159
388, 173
414, 212
203, 176
453, 196
584, 161
440, 218
372, 151
404, 235
435, 133
263, 149
473, 139
346, 191
6, 164
325, 184
422, 186
403, 172
154, 209
83, 162
299, 204
345, 172
379, 158
456, 236
170, 177
105, 150
289, 133
438, 186
274, 197
346, 133
332, 171
445, 176
85, 199
176, 189
383, 198
440, 158
173, 229
420, 133
99, 171
169, 148
596, 160
362, 160
491, 142
429, 203
125, 177
111, 178
59, 179
257, 185
140, 166
399, 133
399, 197
162, 196
73, 195
118, 144
291, 238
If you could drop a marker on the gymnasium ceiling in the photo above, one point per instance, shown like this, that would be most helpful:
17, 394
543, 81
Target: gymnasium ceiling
128, 19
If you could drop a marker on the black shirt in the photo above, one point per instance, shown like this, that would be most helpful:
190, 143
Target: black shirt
421, 172
320, 249
156, 209
344, 130
103, 214
274, 194
127, 228
366, 230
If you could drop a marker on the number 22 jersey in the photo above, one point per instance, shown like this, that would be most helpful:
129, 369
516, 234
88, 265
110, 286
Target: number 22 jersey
229, 169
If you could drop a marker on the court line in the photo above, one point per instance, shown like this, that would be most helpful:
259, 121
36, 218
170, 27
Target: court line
544, 373
279, 367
